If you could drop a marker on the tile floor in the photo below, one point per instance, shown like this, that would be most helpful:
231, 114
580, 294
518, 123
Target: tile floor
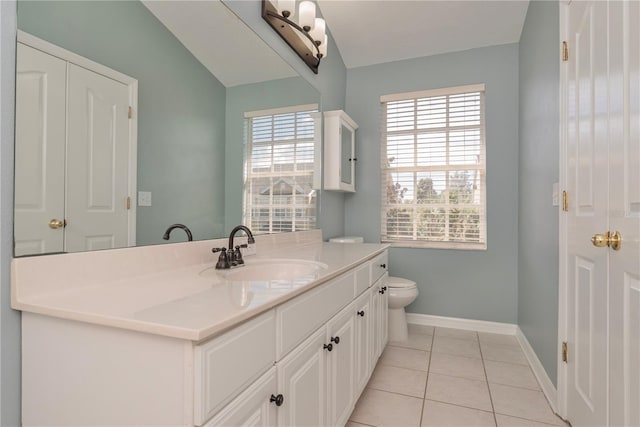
450, 377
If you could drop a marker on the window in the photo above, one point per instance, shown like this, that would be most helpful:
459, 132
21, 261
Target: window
279, 160
433, 168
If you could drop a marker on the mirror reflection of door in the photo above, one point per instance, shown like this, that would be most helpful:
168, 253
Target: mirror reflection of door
75, 161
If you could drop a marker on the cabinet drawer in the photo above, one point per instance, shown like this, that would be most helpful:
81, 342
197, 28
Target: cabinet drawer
379, 266
298, 318
226, 365
362, 279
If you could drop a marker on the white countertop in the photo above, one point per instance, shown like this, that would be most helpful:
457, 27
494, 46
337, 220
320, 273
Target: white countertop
180, 302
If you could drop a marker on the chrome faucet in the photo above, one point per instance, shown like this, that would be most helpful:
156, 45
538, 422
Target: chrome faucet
234, 257
180, 226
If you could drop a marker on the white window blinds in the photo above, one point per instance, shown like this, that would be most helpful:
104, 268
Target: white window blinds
279, 157
433, 168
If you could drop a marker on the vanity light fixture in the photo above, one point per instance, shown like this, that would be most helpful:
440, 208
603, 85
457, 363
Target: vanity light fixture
307, 37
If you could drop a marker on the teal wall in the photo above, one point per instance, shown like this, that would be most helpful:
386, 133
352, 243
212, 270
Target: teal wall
538, 170
330, 82
181, 113
9, 319
254, 97
468, 284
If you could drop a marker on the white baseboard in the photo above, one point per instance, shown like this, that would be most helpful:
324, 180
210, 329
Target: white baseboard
547, 386
468, 324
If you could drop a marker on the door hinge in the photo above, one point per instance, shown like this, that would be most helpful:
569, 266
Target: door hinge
564, 352
128, 202
565, 51
130, 112
565, 201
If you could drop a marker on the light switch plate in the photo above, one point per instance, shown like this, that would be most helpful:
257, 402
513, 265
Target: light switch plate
144, 198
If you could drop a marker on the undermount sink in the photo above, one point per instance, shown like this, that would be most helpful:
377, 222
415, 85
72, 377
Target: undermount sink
269, 269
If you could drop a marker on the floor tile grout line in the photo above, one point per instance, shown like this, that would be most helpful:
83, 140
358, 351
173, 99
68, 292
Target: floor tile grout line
393, 392
493, 409
461, 406
426, 383
529, 419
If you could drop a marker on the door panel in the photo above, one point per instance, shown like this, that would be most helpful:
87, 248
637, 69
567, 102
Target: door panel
341, 367
40, 151
624, 172
98, 150
587, 181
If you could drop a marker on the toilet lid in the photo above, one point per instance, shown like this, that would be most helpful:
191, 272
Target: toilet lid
399, 282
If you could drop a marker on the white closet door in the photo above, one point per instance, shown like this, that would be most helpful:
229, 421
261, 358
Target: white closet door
624, 167
40, 151
98, 152
587, 186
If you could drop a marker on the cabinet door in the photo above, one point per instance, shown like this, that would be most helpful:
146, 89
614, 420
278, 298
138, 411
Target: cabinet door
374, 322
253, 407
363, 341
301, 381
384, 313
340, 366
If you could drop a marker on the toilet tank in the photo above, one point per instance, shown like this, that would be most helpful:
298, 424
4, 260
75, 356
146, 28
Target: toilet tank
347, 239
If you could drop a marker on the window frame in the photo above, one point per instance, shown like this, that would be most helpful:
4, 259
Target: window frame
386, 170
247, 206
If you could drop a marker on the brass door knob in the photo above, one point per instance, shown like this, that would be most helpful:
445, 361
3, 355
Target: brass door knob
600, 240
613, 240
56, 223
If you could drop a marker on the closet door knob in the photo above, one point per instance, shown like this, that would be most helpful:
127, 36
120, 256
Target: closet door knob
383, 265
56, 223
361, 313
328, 347
384, 288
381, 291
279, 399
335, 340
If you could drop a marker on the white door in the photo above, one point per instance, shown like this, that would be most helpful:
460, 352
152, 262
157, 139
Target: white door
587, 186
624, 212
603, 183
98, 153
301, 381
40, 152
340, 367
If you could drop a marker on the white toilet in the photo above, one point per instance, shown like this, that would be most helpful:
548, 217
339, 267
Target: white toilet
402, 292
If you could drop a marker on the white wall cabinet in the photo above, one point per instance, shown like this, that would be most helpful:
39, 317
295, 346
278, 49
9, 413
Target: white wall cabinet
339, 151
305, 362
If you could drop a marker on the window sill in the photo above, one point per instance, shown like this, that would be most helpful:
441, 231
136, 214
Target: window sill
437, 245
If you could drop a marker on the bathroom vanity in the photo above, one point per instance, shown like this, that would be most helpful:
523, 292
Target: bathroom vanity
156, 336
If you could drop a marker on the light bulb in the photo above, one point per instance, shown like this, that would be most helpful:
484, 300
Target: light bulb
317, 33
307, 14
323, 47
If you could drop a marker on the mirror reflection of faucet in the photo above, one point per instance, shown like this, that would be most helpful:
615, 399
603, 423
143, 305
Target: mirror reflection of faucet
167, 233
233, 258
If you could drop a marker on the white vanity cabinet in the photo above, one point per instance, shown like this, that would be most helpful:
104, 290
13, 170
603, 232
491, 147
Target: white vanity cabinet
339, 151
303, 362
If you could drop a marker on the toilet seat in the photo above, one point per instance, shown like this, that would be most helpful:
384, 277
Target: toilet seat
400, 283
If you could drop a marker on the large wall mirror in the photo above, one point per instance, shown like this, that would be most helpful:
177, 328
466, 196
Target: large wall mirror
193, 74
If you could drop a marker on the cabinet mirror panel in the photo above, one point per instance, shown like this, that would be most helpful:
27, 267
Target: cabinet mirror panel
346, 139
130, 117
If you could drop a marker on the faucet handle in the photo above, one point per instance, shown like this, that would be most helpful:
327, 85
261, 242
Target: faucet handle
223, 259
237, 255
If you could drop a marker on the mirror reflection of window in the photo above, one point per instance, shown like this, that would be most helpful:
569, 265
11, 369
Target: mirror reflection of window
279, 160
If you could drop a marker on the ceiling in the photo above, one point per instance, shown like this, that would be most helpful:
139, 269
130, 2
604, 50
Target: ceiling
220, 41
371, 32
